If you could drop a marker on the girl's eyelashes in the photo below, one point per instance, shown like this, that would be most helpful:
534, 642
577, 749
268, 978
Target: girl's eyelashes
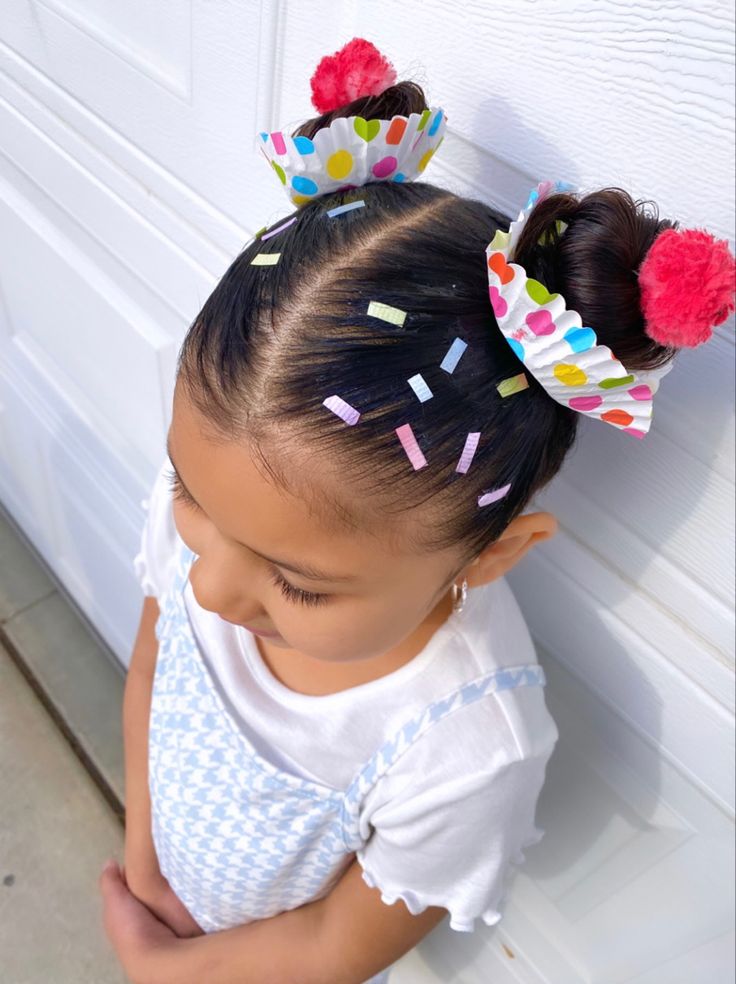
296, 594
178, 490
288, 590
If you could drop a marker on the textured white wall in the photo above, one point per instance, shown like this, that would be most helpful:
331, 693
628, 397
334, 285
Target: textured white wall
129, 177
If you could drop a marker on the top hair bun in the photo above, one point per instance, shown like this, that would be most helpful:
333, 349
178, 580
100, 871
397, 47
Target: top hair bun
358, 69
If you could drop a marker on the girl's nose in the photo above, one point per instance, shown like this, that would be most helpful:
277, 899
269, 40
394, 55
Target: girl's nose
220, 589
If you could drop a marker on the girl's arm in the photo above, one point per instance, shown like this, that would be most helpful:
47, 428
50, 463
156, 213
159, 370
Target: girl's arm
142, 870
345, 938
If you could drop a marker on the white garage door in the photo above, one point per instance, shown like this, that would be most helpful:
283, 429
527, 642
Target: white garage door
129, 178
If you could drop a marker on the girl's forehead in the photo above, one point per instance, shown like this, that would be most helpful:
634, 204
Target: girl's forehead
293, 524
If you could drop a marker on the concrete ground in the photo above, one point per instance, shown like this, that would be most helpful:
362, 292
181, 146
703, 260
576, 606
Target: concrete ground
56, 826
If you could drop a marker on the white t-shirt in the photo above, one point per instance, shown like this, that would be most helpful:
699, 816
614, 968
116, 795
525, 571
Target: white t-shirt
452, 815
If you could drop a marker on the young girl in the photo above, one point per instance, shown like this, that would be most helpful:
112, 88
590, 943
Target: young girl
348, 734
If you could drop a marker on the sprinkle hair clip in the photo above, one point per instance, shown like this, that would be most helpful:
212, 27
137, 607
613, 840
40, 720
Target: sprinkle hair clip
686, 278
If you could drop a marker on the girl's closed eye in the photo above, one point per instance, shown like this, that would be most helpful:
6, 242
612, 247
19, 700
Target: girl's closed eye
178, 490
288, 590
296, 594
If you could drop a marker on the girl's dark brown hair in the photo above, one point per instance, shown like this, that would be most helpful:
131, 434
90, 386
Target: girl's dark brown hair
271, 343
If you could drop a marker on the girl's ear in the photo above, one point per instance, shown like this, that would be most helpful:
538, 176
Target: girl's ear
516, 540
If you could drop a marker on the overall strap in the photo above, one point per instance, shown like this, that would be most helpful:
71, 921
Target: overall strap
171, 602
504, 678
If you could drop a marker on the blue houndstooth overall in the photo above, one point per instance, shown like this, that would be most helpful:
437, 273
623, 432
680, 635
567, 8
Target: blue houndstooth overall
238, 838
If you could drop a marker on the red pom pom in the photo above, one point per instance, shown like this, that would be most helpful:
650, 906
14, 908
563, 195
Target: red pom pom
687, 281
357, 69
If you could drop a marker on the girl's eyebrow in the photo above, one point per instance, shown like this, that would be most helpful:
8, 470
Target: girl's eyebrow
313, 573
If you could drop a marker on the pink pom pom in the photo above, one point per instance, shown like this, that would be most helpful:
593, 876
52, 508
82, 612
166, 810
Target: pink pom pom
687, 282
357, 69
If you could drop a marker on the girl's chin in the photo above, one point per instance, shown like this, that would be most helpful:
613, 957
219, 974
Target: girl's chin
277, 642
272, 641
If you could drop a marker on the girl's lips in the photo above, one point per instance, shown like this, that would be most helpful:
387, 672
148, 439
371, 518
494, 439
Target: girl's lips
260, 632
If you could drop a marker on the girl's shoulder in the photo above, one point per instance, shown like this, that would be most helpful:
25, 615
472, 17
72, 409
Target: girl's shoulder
483, 708
496, 639
464, 793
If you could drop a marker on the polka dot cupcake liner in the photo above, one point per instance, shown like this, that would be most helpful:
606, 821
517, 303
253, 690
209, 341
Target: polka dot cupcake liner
555, 346
351, 152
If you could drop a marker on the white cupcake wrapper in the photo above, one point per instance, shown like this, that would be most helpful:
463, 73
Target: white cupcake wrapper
591, 370
309, 168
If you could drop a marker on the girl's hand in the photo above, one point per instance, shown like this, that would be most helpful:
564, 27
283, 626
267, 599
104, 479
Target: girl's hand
164, 903
145, 946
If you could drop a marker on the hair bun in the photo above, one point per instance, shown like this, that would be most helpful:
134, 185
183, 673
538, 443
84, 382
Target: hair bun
358, 69
687, 283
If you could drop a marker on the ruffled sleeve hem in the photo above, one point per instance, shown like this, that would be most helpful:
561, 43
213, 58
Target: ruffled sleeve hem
140, 565
460, 921
141, 573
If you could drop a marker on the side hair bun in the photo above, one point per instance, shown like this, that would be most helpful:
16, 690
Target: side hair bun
687, 282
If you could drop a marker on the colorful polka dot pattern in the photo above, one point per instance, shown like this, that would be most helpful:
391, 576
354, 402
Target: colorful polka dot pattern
555, 346
353, 151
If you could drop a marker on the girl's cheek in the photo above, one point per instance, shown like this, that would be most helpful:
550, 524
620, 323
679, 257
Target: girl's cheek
185, 524
178, 519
